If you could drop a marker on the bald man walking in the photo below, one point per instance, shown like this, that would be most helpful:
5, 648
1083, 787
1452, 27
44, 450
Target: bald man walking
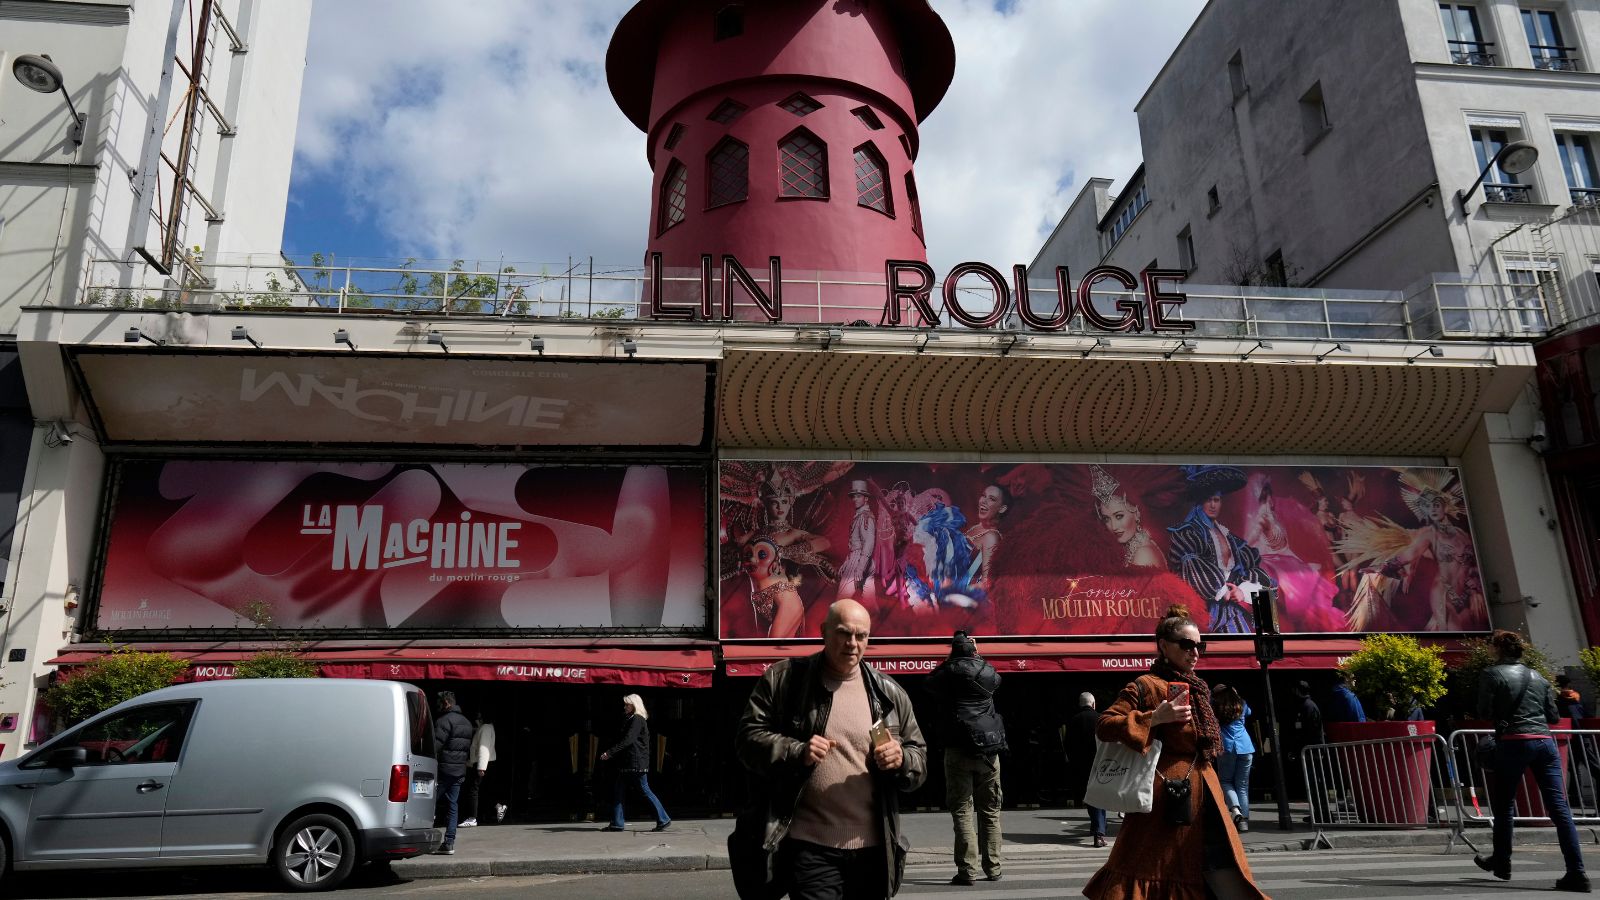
833, 743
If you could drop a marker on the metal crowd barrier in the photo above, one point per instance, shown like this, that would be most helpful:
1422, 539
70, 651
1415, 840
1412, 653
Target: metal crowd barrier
1434, 781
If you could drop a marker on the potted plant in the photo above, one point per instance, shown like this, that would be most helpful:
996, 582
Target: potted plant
1589, 661
1393, 674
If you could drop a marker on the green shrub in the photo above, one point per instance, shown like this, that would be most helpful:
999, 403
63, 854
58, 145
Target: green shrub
120, 675
1589, 659
1478, 654
276, 664
1395, 672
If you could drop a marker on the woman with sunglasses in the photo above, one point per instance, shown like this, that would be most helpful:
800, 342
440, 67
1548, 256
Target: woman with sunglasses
1185, 848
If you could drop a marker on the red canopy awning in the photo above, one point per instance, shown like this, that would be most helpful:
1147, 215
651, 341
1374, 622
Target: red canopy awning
643, 667
1030, 656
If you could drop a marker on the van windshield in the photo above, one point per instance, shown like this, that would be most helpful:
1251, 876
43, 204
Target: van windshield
421, 722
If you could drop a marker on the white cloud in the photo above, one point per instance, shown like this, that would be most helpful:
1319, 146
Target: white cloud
486, 130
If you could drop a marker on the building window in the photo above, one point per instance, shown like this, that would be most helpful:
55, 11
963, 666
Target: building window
727, 111
1545, 44
868, 118
803, 166
1130, 211
1213, 201
1186, 249
729, 173
1276, 272
1314, 115
1464, 36
872, 180
799, 104
728, 23
673, 137
1533, 284
1236, 75
674, 198
916, 207
1577, 161
1499, 186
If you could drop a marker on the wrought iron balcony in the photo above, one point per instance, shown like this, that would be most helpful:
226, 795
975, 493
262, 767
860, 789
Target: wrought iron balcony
1472, 53
1508, 192
1555, 59
1585, 198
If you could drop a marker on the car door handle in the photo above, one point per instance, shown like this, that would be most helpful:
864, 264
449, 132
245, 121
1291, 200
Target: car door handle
148, 786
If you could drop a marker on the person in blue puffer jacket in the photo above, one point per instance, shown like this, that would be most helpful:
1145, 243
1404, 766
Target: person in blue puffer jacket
1238, 752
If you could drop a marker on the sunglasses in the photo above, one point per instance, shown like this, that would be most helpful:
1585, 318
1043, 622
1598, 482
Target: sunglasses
1186, 645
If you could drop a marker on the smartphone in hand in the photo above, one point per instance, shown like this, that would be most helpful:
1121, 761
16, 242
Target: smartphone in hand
879, 733
1178, 693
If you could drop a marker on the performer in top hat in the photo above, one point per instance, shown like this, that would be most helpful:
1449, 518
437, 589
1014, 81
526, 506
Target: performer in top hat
1223, 570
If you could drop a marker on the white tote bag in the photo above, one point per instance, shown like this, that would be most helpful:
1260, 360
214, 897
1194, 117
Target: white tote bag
1123, 780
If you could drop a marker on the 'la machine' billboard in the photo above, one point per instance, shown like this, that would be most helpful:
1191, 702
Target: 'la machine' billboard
1084, 549
430, 547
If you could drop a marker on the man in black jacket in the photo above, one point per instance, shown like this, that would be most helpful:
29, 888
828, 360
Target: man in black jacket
1080, 745
452, 740
973, 736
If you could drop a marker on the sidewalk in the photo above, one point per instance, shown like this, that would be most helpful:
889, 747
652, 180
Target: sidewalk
1033, 834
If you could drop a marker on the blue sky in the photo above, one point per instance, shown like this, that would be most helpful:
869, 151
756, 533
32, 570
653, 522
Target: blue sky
485, 130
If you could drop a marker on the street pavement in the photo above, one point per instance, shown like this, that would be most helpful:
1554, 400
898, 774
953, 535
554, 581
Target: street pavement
1312, 875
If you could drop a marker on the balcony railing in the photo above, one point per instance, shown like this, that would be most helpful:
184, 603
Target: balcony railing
1446, 306
1585, 198
1555, 59
1507, 192
1472, 53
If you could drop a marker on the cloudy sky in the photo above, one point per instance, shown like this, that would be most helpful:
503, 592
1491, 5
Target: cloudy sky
485, 130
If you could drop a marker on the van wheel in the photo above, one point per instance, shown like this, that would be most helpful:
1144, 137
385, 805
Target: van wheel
314, 853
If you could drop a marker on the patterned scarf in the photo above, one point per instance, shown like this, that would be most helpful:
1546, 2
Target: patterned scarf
1208, 737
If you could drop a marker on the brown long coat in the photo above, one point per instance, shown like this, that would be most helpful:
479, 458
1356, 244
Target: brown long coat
1152, 860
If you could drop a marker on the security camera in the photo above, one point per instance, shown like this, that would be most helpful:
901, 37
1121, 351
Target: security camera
61, 434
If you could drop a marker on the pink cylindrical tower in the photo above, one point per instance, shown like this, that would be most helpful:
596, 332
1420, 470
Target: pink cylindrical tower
784, 128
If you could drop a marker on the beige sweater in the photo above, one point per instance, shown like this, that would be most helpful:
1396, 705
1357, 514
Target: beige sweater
838, 808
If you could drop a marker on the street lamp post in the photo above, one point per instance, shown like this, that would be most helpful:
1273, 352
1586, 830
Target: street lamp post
38, 73
1513, 159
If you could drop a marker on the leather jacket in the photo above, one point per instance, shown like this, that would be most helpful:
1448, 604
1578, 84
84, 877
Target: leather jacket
787, 706
1499, 687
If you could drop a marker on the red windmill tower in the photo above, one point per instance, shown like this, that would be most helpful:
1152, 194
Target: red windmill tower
784, 128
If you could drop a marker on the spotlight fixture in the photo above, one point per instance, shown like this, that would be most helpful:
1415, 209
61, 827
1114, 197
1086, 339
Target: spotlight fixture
1260, 345
928, 337
1099, 344
1184, 346
241, 333
630, 347
1433, 350
435, 337
133, 335
38, 73
536, 344
343, 337
1336, 348
830, 337
1016, 340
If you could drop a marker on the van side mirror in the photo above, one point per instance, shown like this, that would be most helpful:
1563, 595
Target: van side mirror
67, 758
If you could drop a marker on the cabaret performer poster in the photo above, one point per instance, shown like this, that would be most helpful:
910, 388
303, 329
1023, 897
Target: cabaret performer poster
1030, 549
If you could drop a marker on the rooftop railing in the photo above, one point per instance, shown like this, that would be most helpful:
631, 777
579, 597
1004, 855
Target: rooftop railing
1443, 306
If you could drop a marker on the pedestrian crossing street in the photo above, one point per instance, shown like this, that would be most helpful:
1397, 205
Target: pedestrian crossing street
1369, 874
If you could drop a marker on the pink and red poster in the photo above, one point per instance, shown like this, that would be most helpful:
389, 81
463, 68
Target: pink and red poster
1085, 549
429, 547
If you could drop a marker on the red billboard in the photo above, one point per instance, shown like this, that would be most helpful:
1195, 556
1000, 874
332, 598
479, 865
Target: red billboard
1030, 549
381, 545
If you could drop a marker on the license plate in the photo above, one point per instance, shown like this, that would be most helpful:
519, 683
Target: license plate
422, 788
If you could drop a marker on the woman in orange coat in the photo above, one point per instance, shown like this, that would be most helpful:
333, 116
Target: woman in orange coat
1154, 859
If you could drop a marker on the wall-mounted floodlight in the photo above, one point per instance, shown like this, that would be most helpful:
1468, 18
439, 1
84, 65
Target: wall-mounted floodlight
38, 73
1184, 346
1336, 348
536, 344
343, 337
630, 347
437, 340
1433, 350
241, 333
928, 337
1260, 345
133, 336
830, 337
1513, 159
1015, 341
1099, 344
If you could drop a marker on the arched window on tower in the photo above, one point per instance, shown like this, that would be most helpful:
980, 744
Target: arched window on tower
674, 198
728, 23
803, 166
872, 180
728, 173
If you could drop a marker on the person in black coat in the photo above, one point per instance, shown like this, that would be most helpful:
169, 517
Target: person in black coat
452, 739
633, 763
1079, 742
973, 736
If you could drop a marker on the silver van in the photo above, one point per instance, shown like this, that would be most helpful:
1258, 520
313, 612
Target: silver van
310, 776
